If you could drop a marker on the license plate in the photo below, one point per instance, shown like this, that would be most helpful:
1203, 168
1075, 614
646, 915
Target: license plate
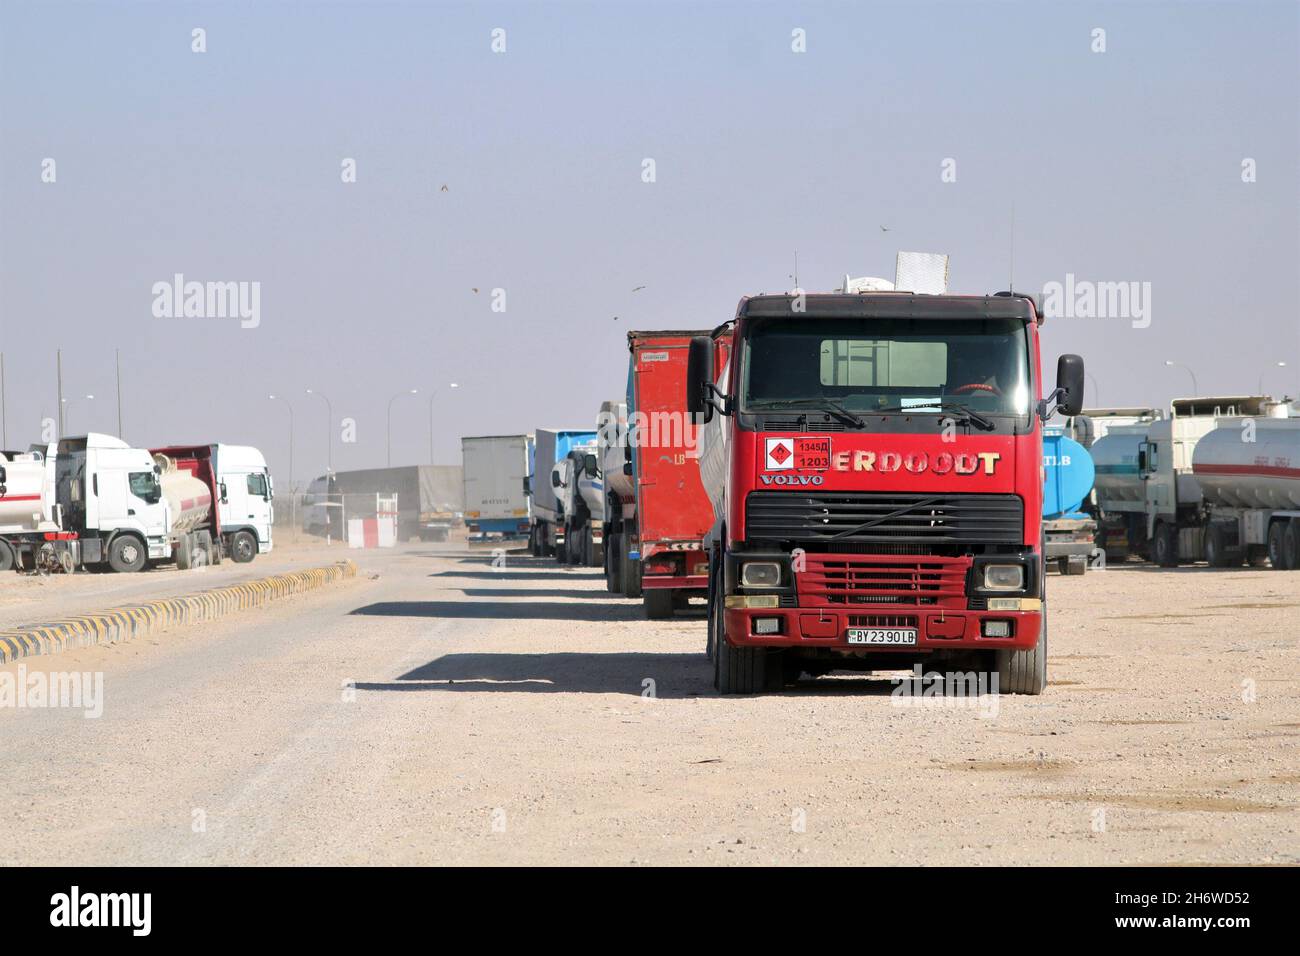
882, 635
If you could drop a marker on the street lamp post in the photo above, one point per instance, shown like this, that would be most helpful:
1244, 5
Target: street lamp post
1195, 390
432, 396
389, 422
329, 432
1260, 389
67, 410
293, 510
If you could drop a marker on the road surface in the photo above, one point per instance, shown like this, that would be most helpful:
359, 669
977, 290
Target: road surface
439, 710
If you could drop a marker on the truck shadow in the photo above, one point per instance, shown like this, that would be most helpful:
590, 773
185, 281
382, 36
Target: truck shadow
512, 575
674, 676
537, 592
503, 611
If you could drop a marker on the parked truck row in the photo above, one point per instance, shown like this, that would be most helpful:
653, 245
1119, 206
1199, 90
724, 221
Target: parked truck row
96, 502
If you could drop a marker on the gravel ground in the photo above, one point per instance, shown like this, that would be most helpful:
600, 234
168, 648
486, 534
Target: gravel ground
438, 710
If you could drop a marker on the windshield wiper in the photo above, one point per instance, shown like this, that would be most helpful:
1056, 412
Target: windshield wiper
965, 411
828, 405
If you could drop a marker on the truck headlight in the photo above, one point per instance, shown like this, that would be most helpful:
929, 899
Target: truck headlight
1004, 577
760, 574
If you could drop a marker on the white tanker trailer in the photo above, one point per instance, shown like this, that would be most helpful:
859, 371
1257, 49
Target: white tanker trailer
28, 513
189, 506
1218, 481
1248, 471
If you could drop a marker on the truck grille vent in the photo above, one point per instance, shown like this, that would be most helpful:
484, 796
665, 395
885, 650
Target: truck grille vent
890, 518
845, 580
882, 620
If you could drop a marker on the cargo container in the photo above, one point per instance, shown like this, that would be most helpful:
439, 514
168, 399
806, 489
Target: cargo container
429, 500
496, 468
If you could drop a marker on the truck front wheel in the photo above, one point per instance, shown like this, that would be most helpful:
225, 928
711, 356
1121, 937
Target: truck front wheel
243, 547
127, 554
736, 670
1025, 672
1165, 547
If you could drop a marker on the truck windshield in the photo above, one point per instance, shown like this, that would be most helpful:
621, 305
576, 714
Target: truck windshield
887, 366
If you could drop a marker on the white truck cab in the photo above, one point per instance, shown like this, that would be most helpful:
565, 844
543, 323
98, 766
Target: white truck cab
245, 493
110, 496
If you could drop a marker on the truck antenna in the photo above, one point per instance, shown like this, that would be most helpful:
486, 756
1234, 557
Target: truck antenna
1011, 278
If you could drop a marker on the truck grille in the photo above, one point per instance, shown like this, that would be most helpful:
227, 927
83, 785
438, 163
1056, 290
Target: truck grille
891, 517
844, 580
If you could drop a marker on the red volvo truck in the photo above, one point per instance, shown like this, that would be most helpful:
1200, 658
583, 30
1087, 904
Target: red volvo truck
662, 558
880, 495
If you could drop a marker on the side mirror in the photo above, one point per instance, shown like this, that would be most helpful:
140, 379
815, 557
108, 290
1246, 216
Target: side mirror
528, 488
222, 488
627, 468
1069, 385
589, 465
699, 376
4, 476
555, 479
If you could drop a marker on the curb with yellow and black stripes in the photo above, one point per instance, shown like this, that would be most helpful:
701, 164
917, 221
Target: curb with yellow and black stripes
136, 620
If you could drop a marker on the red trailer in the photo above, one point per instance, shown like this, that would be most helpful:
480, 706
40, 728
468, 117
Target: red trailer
672, 512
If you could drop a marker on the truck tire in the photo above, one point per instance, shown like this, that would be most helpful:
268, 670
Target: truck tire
714, 599
659, 603
1291, 547
1276, 548
1164, 548
611, 562
127, 554
1216, 552
185, 552
7, 559
736, 670
1074, 564
534, 542
631, 569
1025, 672
243, 547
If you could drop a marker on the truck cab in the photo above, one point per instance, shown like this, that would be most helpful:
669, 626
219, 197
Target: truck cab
109, 495
245, 500
883, 485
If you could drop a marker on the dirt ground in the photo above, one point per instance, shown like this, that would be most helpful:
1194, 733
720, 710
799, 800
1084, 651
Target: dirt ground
520, 714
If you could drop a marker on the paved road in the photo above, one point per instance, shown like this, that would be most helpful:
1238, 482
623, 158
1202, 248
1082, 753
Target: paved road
448, 712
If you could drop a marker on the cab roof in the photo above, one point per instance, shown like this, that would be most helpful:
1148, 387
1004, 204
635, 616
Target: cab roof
890, 305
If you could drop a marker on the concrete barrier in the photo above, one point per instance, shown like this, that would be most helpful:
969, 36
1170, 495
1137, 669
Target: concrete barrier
136, 620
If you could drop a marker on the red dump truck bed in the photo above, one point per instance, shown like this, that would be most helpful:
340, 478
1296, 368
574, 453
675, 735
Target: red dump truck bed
673, 512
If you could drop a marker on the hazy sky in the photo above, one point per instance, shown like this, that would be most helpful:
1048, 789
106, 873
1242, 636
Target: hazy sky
226, 166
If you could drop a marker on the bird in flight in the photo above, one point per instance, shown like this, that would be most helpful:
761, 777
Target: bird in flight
638, 288
884, 229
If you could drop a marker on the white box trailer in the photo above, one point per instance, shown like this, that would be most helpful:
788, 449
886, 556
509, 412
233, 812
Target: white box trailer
496, 469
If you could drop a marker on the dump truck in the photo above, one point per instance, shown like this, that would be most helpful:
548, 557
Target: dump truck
660, 541
496, 470
881, 495
546, 535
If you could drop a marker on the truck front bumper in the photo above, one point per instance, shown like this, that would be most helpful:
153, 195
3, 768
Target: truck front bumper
936, 629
